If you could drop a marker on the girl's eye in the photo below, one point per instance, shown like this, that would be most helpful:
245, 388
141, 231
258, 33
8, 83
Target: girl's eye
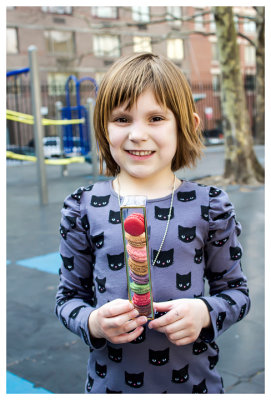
156, 119
121, 120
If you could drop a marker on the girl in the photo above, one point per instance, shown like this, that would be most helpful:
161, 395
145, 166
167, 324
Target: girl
147, 128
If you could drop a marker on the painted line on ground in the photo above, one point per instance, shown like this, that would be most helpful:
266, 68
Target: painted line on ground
50, 262
18, 385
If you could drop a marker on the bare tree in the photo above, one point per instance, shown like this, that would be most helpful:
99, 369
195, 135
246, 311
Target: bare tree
260, 81
241, 164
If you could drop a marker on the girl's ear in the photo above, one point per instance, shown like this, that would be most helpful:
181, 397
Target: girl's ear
197, 120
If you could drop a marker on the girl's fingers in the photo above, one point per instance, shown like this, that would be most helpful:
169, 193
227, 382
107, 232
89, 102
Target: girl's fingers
167, 319
128, 337
116, 307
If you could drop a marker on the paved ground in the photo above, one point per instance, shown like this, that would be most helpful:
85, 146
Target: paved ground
35, 349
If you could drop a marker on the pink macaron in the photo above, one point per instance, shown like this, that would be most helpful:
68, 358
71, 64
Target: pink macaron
137, 253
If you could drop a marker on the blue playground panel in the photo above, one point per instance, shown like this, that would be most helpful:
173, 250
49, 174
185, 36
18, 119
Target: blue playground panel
50, 262
18, 385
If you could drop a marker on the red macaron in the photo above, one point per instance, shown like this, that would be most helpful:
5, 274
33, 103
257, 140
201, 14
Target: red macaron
134, 224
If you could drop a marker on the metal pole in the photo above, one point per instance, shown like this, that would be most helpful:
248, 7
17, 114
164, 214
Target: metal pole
58, 105
94, 160
38, 128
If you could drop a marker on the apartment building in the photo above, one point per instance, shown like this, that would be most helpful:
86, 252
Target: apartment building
85, 41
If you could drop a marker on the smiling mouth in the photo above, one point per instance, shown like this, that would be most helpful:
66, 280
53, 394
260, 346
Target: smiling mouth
140, 153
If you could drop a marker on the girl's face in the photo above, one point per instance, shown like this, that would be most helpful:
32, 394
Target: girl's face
144, 138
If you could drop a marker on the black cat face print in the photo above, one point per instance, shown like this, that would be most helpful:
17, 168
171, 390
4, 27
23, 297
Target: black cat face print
75, 312
101, 370
199, 348
71, 220
85, 223
186, 196
226, 297
163, 213
200, 388
101, 284
63, 231
98, 240
235, 253
242, 312
186, 234
220, 319
235, 283
213, 360
77, 195
99, 201
214, 192
165, 258
135, 381
86, 283
116, 261
180, 375
183, 282
68, 262
159, 357
114, 354
221, 242
141, 337
89, 384
198, 256
205, 213
114, 217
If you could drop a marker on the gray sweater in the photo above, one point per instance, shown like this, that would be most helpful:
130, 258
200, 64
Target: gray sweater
201, 243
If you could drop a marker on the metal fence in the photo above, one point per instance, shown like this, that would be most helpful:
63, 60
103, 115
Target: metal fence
20, 136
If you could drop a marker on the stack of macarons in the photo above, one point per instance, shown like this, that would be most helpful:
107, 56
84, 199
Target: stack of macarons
134, 226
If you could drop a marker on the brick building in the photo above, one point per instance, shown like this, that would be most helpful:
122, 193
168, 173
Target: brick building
86, 40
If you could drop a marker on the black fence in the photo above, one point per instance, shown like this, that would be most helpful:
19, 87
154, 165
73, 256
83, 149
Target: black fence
20, 136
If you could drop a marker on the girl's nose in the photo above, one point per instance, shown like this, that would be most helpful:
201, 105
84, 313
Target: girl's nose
138, 132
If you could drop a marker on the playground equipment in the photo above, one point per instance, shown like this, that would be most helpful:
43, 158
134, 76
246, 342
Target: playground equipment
71, 140
68, 122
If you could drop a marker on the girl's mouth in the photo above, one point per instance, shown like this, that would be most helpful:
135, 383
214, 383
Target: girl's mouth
140, 154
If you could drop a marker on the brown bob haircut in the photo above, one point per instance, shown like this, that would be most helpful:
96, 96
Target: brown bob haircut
124, 82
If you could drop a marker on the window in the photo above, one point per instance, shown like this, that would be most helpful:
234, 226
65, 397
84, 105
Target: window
172, 13
216, 83
59, 42
175, 49
250, 55
106, 45
199, 21
250, 82
141, 14
236, 22
56, 83
104, 12
212, 25
215, 51
57, 10
142, 43
12, 41
249, 26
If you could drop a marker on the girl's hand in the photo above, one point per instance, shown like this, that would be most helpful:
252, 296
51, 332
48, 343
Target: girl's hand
183, 321
114, 320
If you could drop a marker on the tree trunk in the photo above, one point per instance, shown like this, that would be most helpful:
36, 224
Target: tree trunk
260, 72
241, 164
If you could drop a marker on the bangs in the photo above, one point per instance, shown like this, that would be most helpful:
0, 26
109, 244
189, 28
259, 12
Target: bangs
130, 82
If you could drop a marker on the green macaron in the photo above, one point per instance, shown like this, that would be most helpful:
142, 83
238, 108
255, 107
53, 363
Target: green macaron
139, 289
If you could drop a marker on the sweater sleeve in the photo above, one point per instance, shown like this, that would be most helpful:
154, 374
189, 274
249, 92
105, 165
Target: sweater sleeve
229, 300
75, 298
